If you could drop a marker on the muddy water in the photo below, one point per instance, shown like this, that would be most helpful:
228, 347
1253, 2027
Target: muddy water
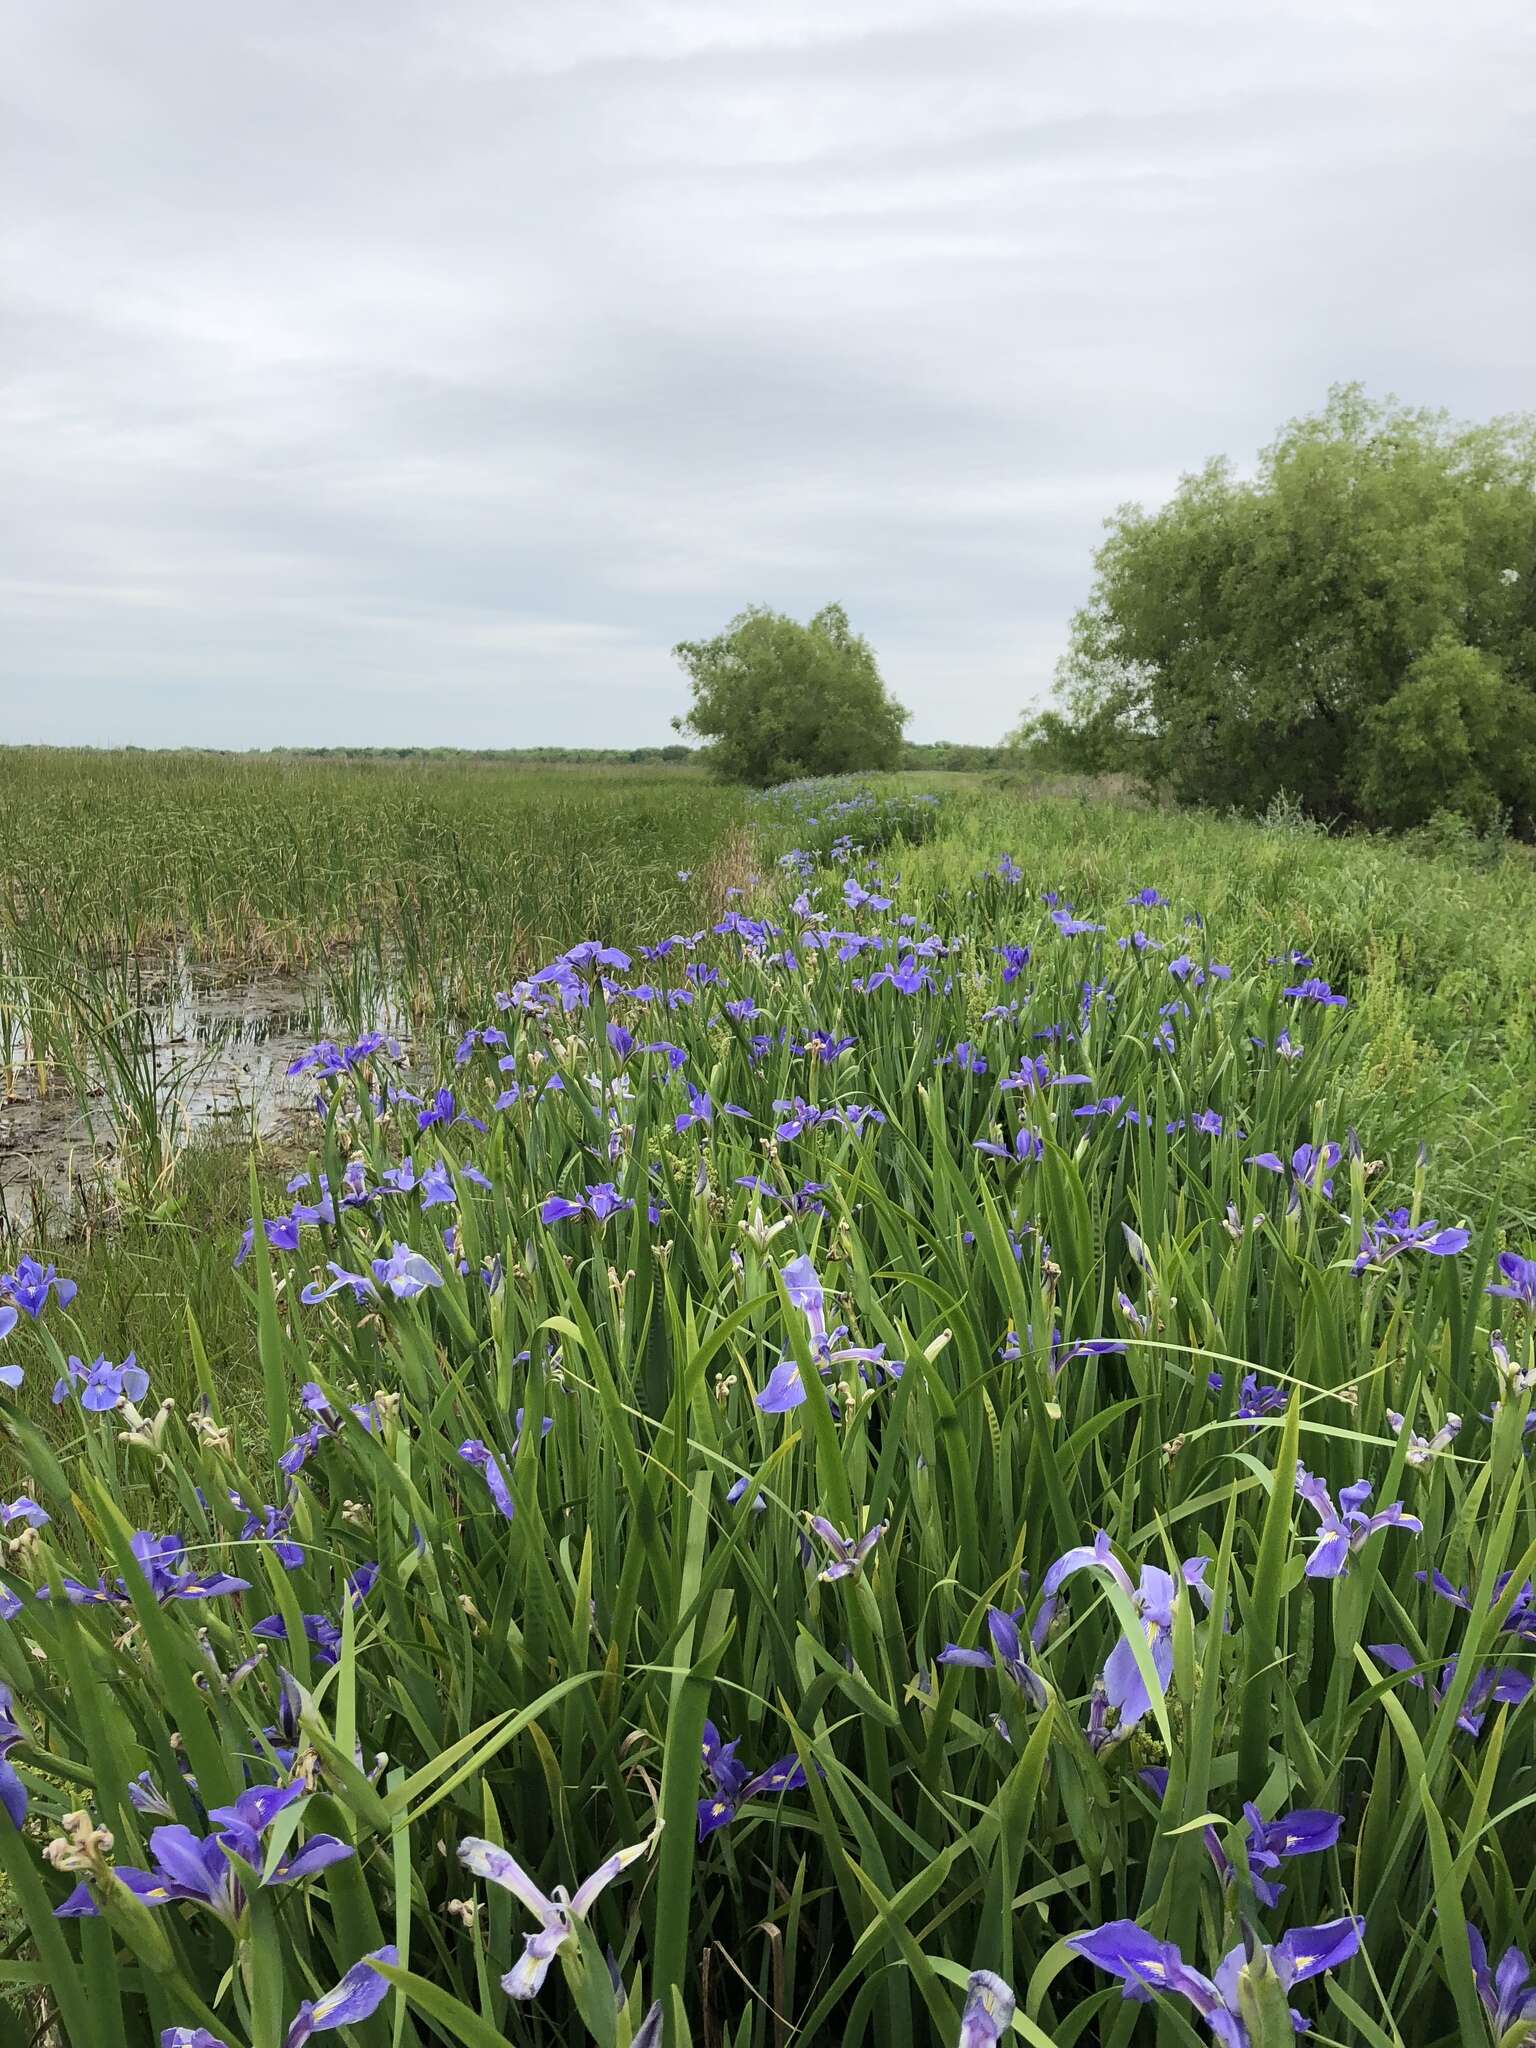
218, 1050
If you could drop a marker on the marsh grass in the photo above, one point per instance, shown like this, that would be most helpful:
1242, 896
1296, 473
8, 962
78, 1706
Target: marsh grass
543, 1679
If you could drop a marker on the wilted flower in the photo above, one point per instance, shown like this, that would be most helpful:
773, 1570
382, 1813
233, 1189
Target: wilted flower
988, 2014
556, 1915
848, 1553
1422, 1449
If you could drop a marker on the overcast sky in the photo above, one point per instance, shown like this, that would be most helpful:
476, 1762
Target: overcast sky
421, 370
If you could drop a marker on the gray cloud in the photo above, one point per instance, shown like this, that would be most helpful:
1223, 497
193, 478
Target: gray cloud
412, 372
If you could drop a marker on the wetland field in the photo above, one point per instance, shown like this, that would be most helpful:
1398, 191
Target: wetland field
877, 1413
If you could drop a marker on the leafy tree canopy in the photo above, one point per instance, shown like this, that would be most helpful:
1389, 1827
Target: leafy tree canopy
1355, 625
777, 700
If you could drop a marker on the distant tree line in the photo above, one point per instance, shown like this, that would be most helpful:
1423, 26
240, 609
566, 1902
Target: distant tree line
673, 754
938, 755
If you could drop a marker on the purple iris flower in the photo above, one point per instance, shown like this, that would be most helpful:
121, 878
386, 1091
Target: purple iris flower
270, 1525
322, 1634
734, 1785
1508, 1992
1145, 1965
701, 1110
198, 1870
1255, 1397
848, 1552
1152, 1598
362, 1287
1111, 1105
989, 2009
1008, 1650
162, 1561
802, 1283
475, 1453
1309, 1168
1305, 1832
327, 1423
1496, 1685
1015, 959
406, 1273
437, 1187
906, 977
825, 1046
13, 1794
103, 1385
281, 1233
1027, 1147
1314, 991
1521, 1619
1032, 1074
601, 1201
1062, 1353
1396, 1232
556, 1915
1519, 1279
359, 1994
1147, 899
31, 1284
478, 1454
1344, 1530
784, 1388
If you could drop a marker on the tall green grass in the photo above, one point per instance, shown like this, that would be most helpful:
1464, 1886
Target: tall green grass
542, 1680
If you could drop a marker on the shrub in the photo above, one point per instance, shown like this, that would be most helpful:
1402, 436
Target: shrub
778, 700
1355, 624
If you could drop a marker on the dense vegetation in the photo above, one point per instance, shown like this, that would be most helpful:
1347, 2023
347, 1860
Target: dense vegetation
1354, 625
978, 1179
776, 699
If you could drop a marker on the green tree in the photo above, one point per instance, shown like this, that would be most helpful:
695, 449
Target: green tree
1355, 624
777, 700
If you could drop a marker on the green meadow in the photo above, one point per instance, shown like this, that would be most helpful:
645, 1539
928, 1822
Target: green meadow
892, 1385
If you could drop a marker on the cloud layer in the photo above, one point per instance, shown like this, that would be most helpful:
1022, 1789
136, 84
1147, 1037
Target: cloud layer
421, 370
